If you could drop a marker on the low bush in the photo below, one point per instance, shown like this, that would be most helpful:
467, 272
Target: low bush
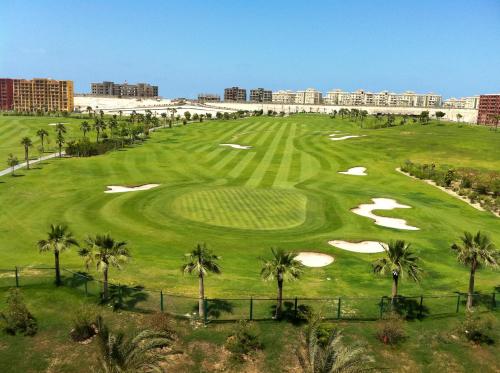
84, 325
243, 342
477, 329
391, 329
16, 318
161, 322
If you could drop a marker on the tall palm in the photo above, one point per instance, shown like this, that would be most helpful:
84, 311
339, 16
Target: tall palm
41, 133
476, 251
105, 252
398, 261
12, 161
164, 116
99, 126
113, 125
85, 127
60, 142
200, 262
333, 357
142, 353
89, 109
27, 143
282, 267
60, 128
59, 239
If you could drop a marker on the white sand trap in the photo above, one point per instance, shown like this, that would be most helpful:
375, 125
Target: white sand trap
367, 247
355, 171
236, 146
311, 259
124, 189
334, 138
384, 204
55, 124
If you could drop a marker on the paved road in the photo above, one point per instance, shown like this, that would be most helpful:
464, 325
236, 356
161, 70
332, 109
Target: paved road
22, 165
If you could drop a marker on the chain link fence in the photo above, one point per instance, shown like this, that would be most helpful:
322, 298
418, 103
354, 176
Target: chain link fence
141, 299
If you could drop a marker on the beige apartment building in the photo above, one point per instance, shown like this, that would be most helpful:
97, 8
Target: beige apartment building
309, 97
43, 94
283, 97
462, 103
384, 98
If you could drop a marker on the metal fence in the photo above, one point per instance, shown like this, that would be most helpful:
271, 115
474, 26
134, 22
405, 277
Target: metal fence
141, 299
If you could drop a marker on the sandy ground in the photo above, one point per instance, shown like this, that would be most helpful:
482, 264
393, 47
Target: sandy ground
236, 146
384, 204
124, 189
55, 124
367, 247
334, 137
312, 259
355, 171
32, 161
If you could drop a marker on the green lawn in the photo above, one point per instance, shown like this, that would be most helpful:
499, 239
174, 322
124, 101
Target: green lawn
285, 191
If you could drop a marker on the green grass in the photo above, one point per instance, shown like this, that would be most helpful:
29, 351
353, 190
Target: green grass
285, 192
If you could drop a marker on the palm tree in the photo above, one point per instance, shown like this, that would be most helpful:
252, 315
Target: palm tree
113, 124
85, 127
334, 356
41, 133
12, 161
201, 261
89, 109
104, 251
60, 141
164, 116
60, 128
398, 260
27, 143
59, 239
476, 251
459, 116
99, 126
142, 353
282, 267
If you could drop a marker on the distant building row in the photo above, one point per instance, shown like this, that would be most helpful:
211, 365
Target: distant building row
124, 90
36, 94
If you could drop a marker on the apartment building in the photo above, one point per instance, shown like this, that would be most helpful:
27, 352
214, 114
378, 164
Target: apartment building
283, 97
383, 98
261, 95
208, 97
309, 97
462, 103
235, 94
124, 90
488, 109
36, 94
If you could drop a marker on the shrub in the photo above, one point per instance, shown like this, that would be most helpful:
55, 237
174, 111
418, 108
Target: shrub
242, 342
391, 330
84, 325
17, 318
476, 329
160, 321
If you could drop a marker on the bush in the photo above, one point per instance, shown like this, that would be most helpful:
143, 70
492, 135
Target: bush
84, 325
17, 318
161, 322
390, 329
243, 342
476, 329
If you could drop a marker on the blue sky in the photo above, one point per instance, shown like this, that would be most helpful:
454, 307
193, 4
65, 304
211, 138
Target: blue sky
451, 47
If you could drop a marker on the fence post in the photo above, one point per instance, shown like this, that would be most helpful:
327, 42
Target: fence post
295, 308
17, 278
161, 300
458, 302
381, 306
251, 308
205, 306
338, 308
421, 308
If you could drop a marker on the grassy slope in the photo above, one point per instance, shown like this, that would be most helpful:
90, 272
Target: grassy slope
291, 153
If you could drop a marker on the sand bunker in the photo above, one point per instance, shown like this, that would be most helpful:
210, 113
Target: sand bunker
384, 204
236, 146
312, 259
355, 171
334, 137
55, 124
367, 247
124, 189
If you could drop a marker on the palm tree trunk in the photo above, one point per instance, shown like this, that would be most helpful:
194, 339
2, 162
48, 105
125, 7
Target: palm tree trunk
394, 287
201, 306
26, 156
280, 298
105, 291
470, 295
58, 271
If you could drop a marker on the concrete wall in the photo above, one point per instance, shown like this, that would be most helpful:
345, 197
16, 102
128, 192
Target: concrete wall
468, 115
